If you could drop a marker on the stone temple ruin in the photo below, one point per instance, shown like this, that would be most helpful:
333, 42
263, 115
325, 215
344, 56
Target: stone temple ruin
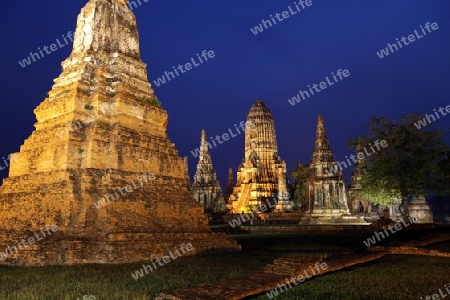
206, 188
326, 196
262, 176
419, 209
357, 204
102, 129
81, 152
325, 187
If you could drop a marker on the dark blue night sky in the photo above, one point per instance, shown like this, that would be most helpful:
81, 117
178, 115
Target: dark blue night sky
272, 65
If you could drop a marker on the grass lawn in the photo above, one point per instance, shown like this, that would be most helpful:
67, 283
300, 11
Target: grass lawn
393, 277
390, 278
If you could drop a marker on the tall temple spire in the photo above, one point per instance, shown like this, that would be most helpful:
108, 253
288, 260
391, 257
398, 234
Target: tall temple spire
325, 188
262, 176
119, 32
206, 188
260, 136
105, 57
322, 158
204, 145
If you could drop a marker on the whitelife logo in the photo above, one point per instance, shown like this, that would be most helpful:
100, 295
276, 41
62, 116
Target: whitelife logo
323, 85
36, 237
411, 38
281, 17
34, 56
384, 234
250, 216
5, 161
319, 266
225, 137
128, 189
360, 155
165, 260
187, 67
439, 296
430, 118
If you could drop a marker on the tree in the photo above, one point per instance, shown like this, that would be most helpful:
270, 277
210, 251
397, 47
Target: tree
299, 175
412, 163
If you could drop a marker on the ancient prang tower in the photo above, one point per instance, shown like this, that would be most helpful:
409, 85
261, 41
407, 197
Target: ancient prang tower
262, 177
98, 135
325, 187
206, 188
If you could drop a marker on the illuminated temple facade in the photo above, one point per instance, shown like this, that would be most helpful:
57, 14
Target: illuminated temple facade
262, 175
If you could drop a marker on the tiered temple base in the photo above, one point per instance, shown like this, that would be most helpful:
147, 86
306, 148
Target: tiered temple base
141, 225
60, 249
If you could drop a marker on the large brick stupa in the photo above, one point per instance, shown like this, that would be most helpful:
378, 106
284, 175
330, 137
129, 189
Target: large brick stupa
99, 134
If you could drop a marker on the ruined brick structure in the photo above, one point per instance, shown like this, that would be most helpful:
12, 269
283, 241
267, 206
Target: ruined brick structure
356, 203
325, 187
420, 210
101, 128
206, 188
262, 175
361, 206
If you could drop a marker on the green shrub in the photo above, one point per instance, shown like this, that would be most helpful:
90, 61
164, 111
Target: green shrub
149, 101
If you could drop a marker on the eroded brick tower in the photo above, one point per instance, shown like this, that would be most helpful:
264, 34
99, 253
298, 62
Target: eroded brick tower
100, 129
262, 175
